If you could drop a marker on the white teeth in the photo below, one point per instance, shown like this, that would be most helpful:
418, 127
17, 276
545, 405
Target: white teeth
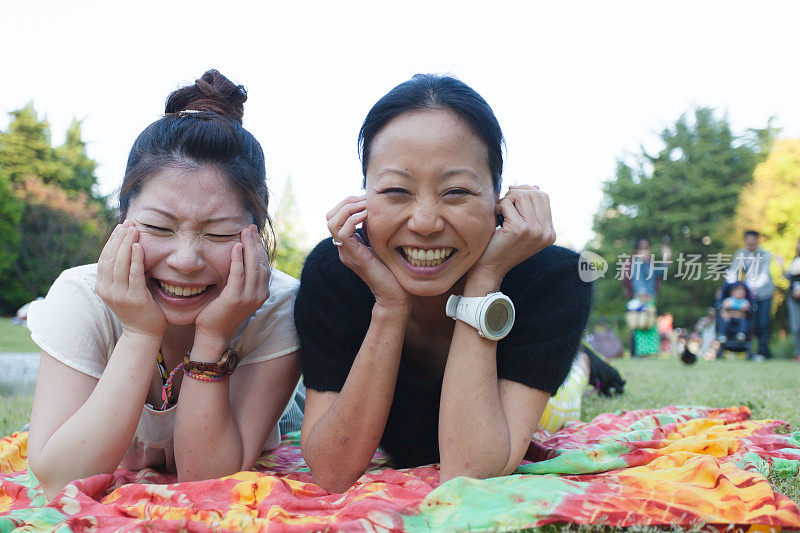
426, 258
181, 291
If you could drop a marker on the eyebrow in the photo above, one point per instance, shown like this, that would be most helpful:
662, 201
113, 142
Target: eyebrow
446, 174
207, 221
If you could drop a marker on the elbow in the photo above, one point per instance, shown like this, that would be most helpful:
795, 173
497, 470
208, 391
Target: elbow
448, 473
459, 465
334, 482
51, 487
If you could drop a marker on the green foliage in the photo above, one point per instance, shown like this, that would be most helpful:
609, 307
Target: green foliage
771, 203
10, 213
80, 166
54, 219
291, 252
686, 195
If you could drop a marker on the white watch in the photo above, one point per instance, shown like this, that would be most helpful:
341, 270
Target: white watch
492, 315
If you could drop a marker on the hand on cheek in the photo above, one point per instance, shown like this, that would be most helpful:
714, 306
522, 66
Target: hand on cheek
121, 283
246, 290
354, 252
527, 229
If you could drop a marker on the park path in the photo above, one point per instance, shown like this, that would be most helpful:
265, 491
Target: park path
18, 372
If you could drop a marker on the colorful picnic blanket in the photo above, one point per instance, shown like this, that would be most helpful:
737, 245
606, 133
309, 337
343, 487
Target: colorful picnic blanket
677, 465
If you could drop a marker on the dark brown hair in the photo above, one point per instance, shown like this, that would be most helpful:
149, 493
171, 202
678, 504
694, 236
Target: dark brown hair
203, 127
433, 91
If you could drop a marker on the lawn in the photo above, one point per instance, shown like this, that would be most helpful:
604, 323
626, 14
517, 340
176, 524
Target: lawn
15, 338
770, 389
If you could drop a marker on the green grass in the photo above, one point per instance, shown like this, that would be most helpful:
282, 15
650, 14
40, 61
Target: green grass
771, 390
15, 338
15, 411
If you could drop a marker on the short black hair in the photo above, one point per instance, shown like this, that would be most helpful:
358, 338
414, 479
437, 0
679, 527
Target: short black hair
752, 232
435, 91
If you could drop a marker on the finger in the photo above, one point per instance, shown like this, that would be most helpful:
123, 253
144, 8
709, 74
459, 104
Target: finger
105, 263
541, 204
252, 262
340, 205
521, 199
348, 229
263, 266
236, 275
136, 279
338, 220
122, 264
511, 216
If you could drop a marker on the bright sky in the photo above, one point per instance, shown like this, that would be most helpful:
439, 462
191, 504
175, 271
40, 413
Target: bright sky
575, 85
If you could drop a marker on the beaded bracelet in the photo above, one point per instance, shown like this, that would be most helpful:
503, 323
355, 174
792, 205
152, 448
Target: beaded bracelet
166, 390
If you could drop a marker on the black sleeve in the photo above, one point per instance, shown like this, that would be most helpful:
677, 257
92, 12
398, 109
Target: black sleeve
332, 314
552, 306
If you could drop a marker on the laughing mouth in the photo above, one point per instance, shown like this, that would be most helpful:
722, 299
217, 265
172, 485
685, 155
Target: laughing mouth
426, 258
182, 292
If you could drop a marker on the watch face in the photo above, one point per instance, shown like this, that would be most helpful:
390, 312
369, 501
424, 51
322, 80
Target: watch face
497, 316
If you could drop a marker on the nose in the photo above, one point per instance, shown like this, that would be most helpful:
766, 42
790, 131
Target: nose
186, 256
425, 218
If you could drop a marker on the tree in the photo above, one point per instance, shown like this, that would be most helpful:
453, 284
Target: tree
25, 149
770, 204
72, 153
684, 195
57, 231
289, 233
59, 219
10, 214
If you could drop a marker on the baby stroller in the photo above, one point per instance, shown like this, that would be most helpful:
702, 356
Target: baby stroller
739, 342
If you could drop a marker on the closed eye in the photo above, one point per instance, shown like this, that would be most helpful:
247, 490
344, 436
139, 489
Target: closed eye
394, 190
155, 228
457, 192
223, 236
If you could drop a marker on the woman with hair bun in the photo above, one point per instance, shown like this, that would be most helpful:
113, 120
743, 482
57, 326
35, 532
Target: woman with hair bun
177, 349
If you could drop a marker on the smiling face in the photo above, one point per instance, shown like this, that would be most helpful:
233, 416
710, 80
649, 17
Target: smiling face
188, 222
430, 199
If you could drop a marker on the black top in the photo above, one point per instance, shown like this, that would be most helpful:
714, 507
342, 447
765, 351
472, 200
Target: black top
334, 309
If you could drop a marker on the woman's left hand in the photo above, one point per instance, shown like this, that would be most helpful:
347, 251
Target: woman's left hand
246, 290
527, 229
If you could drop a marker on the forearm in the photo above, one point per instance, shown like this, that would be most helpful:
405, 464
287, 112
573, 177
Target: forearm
342, 443
474, 437
208, 442
94, 439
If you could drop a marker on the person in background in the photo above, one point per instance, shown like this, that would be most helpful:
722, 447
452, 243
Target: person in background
793, 296
733, 311
751, 265
641, 281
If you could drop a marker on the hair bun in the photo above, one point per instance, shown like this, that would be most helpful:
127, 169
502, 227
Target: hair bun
213, 93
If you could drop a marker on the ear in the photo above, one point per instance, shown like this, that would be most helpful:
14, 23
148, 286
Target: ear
365, 232
498, 218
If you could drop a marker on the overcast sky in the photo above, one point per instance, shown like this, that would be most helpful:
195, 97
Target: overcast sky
575, 85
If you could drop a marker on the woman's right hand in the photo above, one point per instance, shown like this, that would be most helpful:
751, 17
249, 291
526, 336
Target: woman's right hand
354, 252
121, 283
